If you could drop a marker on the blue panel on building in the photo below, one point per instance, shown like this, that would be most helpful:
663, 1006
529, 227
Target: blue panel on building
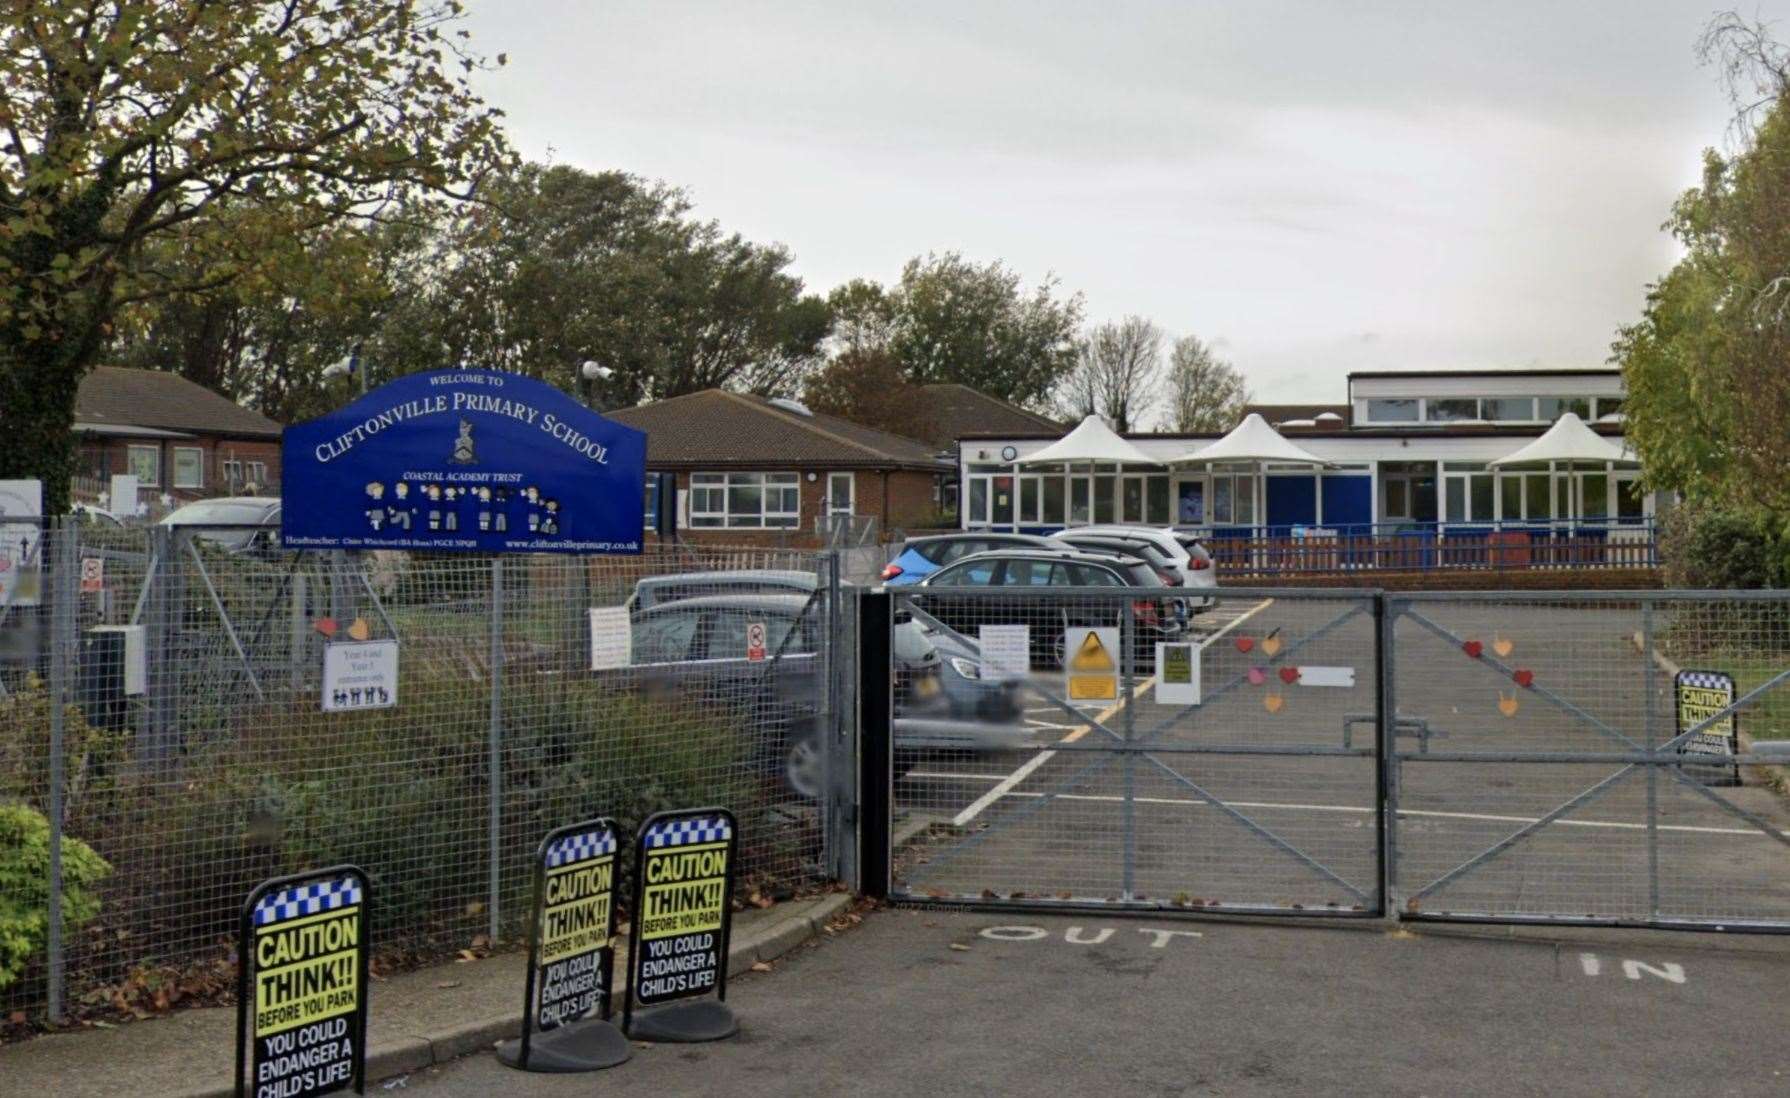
1292, 501
1348, 501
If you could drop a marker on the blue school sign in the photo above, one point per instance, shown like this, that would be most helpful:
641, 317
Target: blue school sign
474, 460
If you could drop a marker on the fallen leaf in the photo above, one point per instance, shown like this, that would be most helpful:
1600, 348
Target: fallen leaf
481, 941
467, 955
446, 985
960, 947
761, 966
17, 1017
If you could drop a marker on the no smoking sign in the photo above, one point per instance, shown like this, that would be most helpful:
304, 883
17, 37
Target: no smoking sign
93, 575
755, 641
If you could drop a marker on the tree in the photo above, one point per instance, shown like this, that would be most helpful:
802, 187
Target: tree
867, 385
560, 266
1708, 396
1205, 393
125, 122
949, 319
1115, 374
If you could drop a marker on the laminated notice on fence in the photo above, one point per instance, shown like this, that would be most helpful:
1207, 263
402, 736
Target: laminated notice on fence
360, 675
683, 864
611, 638
1092, 663
1698, 696
1006, 651
1178, 674
302, 1005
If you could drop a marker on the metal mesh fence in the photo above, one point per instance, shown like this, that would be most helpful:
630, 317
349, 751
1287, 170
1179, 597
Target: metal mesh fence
199, 754
1047, 752
1580, 761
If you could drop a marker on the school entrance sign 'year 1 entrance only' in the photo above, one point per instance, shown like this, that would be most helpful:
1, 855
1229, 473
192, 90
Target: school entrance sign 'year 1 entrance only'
571, 956
683, 912
477, 460
301, 1005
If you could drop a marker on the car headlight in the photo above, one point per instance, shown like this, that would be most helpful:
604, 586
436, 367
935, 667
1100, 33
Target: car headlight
969, 669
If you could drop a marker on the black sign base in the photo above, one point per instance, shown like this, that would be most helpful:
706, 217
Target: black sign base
590, 1045
686, 1022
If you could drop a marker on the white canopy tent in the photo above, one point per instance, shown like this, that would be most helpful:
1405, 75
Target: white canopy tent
1255, 445
1091, 443
1092, 440
1567, 440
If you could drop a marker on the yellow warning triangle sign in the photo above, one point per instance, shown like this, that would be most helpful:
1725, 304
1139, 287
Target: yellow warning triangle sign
1092, 656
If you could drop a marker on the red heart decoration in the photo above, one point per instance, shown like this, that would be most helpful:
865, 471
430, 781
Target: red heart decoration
1289, 675
1524, 677
1473, 648
1244, 644
326, 626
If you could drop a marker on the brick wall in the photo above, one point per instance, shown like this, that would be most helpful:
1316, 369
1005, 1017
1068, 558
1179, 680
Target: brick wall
1512, 579
100, 458
892, 497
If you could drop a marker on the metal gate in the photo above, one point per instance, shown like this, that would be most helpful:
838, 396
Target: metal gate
1248, 782
1557, 778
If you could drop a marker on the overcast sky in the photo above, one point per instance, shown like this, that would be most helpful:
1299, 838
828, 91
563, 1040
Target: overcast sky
1319, 187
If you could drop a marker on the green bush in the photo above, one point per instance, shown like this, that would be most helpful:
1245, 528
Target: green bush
1711, 547
25, 887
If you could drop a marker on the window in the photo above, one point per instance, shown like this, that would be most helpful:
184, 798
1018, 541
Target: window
145, 463
1392, 411
1448, 411
1468, 498
1552, 408
1233, 499
189, 467
1508, 409
1033, 573
664, 638
841, 488
1054, 510
1630, 500
1088, 575
744, 500
977, 573
1103, 498
1608, 406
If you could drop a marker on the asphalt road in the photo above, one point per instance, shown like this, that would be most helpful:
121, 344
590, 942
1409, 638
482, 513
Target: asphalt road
1213, 826
923, 1002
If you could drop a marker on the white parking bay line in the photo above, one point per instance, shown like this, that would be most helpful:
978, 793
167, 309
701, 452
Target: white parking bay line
1238, 620
1030, 766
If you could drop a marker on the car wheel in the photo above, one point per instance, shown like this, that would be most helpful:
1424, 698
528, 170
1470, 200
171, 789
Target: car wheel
804, 768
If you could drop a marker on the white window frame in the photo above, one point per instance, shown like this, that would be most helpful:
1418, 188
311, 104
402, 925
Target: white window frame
199, 451
130, 465
851, 494
1240, 483
711, 495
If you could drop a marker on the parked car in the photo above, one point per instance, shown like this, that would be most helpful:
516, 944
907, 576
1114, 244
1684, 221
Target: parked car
650, 591
92, 514
696, 648
1193, 559
240, 524
1015, 576
920, 557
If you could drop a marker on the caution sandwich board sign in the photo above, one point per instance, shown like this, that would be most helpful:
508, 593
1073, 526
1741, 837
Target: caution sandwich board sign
301, 1006
1698, 696
683, 890
1092, 663
571, 955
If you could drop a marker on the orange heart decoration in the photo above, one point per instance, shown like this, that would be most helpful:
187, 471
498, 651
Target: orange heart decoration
1273, 702
359, 629
1502, 645
1507, 705
1271, 643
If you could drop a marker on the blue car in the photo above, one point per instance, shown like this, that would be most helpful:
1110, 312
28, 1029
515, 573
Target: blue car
921, 557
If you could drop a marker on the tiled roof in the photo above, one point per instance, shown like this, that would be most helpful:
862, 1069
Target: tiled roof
955, 411
716, 427
116, 397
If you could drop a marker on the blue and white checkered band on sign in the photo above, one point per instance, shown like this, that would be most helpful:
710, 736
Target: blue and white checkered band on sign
697, 829
307, 899
579, 848
1707, 680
